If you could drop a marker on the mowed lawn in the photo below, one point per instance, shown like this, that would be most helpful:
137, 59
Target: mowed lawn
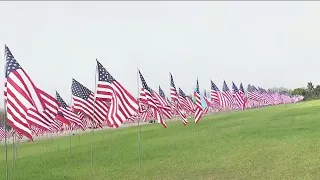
280, 142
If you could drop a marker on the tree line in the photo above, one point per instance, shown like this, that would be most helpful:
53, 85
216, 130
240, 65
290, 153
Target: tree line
309, 93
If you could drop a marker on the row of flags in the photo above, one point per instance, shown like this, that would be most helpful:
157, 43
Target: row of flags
31, 111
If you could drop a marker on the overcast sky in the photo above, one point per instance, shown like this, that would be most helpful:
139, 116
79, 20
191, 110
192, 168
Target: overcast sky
267, 44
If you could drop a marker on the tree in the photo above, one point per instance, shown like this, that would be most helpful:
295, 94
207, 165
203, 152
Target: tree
299, 91
310, 86
316, 91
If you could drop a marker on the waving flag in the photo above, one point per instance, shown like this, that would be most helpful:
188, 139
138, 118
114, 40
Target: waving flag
21, 95
242, 94
227, 96
147, 98
198, 105
83, 102
238, 96
176, 101
123, 105
186, 102
66, 115
216, 96
166, 108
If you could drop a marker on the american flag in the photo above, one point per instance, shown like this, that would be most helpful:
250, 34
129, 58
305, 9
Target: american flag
254, 94
146, 97
206, 109
147, 115
165, 106
161, 104
123, 104
36, 131
198, 105
227, 96
82, 99
173, 90
264, 100
21, 94
268, 99
216, 96
242, 93
176, 102
83, 102
186, 102
51, 109
3, 133
38, 119
66, 115
238, 96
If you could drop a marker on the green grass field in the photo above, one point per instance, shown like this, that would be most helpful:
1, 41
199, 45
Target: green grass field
280, 142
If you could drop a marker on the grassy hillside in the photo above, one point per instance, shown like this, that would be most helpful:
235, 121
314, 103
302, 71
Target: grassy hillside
281, 142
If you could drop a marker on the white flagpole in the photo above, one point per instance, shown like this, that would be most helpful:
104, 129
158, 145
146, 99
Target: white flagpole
70, 131
139, 129
94, 108
5, 122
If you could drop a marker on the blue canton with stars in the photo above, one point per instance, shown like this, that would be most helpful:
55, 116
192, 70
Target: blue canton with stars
241, 88
144, 83
161, 93
80, 90
104, 75
249, 88
172, 82
11, 62
197, 87
225, 87
254, 88
234, 87
214, 87
61, 101
182, 94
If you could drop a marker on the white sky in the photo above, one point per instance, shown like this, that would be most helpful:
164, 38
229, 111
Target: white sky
263, 43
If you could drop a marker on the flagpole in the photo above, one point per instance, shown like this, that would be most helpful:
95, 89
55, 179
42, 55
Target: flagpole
173, 128
70, 142
57, 137
70, 132
139, 130
13, 155
94, 108
17, 138
4, 122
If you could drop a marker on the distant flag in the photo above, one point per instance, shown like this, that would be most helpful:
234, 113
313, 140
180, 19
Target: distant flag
176, 101
83, 101
166, 108
238, 96
216, 95
205, 104
186, 102
253, 93
202, 99
173, 90
3, 133
198, 105
228, 98
147, 97
242, 93
66, 115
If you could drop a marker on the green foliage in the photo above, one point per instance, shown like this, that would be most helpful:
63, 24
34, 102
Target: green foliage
309, 93
299, 91
279, 142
